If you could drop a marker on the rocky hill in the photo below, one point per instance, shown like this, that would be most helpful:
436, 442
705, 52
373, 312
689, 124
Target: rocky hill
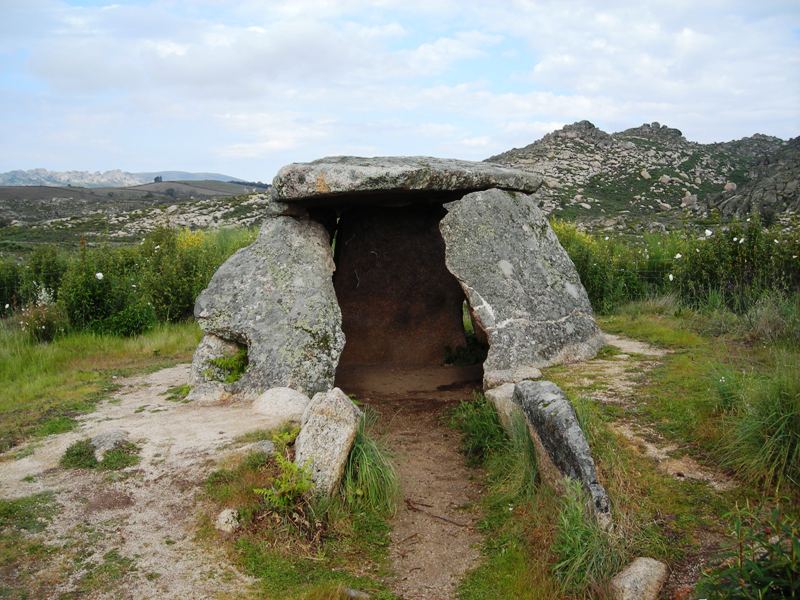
773, 191
644, 177
114, 178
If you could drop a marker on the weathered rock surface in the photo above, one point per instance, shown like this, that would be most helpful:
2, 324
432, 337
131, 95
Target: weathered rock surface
282, 403
337, 175
492, 379
502, 398
640, 580
108, 440
326, 437
276, 298
553, 418
265, 446
227, 520
775, 188
521, 284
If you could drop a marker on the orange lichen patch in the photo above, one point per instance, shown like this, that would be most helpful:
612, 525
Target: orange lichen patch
322, 186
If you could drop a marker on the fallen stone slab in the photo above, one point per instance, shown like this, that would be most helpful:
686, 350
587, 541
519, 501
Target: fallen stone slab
640, 580
524, 290
327, 433
282, 403
325, 179
553, 418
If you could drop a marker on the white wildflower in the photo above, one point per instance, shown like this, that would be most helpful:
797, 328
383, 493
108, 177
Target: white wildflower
606, 238
709, 233
678, 256
776, 241
735, 239
99, 276
671, 277
6, 306
741, 241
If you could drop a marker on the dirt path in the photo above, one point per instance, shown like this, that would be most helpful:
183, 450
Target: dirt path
618, 377
434, 540
131, 534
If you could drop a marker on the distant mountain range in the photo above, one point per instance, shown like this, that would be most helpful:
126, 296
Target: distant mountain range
114, 178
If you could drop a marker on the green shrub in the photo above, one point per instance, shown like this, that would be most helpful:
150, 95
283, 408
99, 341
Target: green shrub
764, 562
289, 487
42, 322
10, 281
41, 277
284, 436
87, 292
134, 319
762, 435
482, 432
370, 481
731, 268
586, 554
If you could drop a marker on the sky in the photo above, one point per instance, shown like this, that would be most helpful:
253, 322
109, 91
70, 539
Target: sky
243, 87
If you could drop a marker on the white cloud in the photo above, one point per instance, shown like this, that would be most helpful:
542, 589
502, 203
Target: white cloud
254, 84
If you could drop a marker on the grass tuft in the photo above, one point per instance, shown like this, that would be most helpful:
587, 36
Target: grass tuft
586, 554
762, 436
79, 455
370, 481
482, 432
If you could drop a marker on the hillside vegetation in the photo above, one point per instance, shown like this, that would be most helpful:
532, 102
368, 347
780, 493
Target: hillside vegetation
650, 176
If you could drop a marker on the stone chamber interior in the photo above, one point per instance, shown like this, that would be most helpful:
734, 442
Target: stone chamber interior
404, 314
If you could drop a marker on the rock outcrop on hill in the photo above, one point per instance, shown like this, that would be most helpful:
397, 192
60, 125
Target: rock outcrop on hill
637, 176
774, 189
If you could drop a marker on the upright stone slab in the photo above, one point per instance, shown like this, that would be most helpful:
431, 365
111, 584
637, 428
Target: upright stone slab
276, 298
329, 428
520, 282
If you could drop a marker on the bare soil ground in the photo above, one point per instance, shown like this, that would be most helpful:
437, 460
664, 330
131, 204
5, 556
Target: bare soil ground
434, 540
131, 534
